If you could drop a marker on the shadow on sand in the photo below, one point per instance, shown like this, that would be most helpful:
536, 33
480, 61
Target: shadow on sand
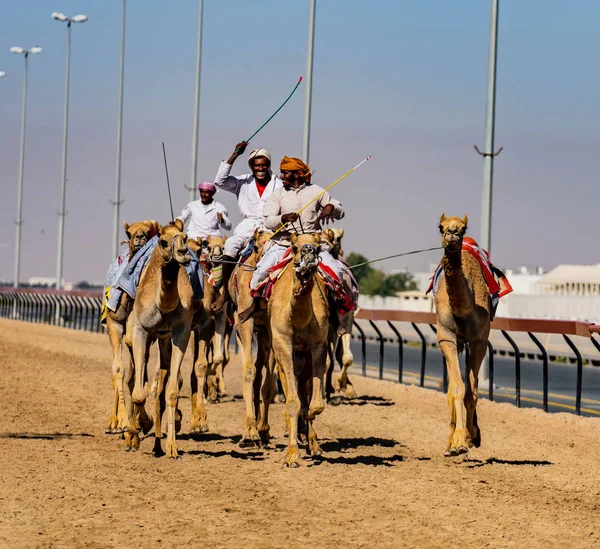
473, 463
364, 400
44, 436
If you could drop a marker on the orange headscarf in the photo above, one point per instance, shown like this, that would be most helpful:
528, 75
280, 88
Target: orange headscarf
296, 165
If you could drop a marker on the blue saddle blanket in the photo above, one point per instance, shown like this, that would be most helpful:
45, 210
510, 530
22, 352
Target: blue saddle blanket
125, 276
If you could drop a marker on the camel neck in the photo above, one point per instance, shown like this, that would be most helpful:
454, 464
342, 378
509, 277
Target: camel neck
460, 295
168, 294
301, 305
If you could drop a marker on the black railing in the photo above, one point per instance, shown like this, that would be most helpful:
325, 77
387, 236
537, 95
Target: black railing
504, 325
78, 310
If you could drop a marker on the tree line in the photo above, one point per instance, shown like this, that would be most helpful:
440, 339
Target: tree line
375, 282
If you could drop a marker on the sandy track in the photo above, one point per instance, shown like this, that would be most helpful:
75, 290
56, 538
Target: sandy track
382, 481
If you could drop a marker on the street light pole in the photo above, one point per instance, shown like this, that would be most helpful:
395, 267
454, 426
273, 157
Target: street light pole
19, 220
488, 154
117, 202
61, 224
192, 186
309, 72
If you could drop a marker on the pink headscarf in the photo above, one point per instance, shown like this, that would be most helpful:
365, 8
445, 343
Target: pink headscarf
207, 186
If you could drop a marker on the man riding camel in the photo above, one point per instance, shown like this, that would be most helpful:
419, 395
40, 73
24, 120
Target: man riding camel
252, 191
281, 208
205, 217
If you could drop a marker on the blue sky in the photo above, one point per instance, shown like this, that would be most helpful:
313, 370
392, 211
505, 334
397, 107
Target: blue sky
402, 81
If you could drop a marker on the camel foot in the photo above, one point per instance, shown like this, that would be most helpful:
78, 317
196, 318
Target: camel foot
111, 428
132, 441
292, 458
157, 450
350, 392
250, 439
265, 435
314, 449
456, 451
476, 440
171, 450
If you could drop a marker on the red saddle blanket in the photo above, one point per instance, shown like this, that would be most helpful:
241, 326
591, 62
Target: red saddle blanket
334, 285
496, 280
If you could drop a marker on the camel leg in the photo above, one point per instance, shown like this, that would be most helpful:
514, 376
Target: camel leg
477, 350
158, 391
245, 333
220, 358
345, 358
457, 442
201, 371
195, 415
141, 350
318, 358
180, 342
332, 341
118, 420
268, 392
282, 348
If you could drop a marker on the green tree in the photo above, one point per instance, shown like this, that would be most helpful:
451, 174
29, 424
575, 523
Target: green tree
359, 272
397, 282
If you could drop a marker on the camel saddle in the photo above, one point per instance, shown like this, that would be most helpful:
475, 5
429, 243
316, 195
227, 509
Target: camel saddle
496, 280
333, 284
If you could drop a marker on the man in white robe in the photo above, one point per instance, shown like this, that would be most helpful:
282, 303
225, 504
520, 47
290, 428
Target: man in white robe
281, 210
252, 191
205, 217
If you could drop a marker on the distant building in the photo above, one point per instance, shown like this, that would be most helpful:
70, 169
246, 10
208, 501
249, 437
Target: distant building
572, 280
48, 281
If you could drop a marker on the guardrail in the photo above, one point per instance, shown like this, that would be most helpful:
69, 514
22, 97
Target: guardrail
77, 309
80, 310
503, 325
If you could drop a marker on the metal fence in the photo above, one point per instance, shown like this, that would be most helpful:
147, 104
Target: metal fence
420, 321
77, 309
80, 310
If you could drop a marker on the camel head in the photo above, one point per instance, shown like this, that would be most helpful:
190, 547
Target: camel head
139, 233
213, 246
334, 238
172, 244
453, 229
305, 250
261, 237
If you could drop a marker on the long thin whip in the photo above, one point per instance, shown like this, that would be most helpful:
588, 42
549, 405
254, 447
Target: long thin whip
281, 107
168, 184
396, 255
322, 193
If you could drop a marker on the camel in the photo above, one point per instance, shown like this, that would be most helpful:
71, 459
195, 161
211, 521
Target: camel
138, 234
462, 304
163, 310
339, 346
298, 320
256, 422
210, 331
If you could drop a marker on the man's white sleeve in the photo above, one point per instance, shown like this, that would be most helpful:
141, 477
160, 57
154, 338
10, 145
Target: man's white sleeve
224, 180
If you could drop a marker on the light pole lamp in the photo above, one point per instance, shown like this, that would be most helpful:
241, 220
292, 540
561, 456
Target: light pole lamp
61, 222
19, 221
2, 74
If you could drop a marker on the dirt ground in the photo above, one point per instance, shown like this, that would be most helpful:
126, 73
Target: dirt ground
382, 480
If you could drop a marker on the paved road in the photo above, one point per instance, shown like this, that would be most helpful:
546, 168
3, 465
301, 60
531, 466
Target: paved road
562, 378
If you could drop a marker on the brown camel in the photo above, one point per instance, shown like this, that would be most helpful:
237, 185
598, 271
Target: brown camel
298, 320
138, 234
207, 334
339, 346
163, 310
462, 306
256, 422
